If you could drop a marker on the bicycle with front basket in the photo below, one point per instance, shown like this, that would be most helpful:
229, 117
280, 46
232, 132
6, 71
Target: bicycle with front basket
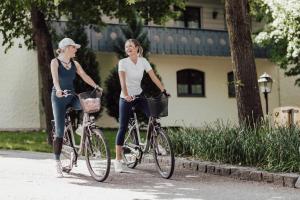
93, 144
156, 139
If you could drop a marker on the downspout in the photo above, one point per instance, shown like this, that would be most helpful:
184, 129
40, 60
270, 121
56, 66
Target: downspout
278, 85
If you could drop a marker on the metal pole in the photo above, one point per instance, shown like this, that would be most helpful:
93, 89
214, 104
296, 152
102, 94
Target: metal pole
267, 105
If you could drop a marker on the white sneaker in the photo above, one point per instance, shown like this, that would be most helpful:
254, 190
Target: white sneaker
118, 166
59, 173
79, 130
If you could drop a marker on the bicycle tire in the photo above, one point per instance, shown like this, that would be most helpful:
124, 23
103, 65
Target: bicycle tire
66, 152
163, 153
97, 155
129, 155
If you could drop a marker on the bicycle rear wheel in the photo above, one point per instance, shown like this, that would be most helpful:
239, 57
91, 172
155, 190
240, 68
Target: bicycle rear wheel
97, 155
163, 153
130, 152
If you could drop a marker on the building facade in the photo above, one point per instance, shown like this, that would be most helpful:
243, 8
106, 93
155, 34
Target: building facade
192, 55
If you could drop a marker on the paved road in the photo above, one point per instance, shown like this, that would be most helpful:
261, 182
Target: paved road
30, 176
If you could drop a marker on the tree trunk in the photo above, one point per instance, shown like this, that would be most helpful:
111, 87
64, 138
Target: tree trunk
247, 91
42, 40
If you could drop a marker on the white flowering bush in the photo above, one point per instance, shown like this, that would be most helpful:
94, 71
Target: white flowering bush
282, 34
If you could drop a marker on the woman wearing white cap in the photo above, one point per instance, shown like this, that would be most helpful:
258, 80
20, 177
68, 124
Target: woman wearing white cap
63, 70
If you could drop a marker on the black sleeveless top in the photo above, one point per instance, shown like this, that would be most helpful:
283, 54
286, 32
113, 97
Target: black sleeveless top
66, 76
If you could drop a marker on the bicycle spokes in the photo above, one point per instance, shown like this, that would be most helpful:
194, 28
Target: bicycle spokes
131, 153
97, 155
163, 154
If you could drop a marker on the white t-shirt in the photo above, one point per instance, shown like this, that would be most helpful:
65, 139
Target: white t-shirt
134, 74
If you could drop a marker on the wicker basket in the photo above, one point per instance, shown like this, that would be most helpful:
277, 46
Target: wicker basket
158, 106
90, 101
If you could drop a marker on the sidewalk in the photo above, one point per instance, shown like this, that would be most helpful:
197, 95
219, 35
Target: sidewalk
31, 176
291, 180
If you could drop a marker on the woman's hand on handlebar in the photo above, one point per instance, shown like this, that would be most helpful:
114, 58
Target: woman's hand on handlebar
166, 93
97, 87
128, 98
59, 93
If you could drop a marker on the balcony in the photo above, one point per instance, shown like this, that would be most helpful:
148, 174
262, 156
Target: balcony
169, 40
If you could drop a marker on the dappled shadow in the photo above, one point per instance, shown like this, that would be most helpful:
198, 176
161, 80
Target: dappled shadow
143, 179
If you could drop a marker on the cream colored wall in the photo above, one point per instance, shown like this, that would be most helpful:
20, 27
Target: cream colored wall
194, 111
19, 89
290, 93
19, 96
284, 92
263, 65
207, 21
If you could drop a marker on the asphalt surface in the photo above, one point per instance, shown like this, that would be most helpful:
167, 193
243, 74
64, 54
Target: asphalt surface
31, 176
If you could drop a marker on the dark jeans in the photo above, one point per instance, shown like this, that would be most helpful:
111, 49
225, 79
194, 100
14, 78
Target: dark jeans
59, 107
125, 112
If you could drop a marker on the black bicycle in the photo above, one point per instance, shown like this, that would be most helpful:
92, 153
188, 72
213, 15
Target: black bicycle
156, 139
93, 144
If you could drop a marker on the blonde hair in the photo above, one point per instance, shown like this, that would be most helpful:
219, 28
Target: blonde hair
59, 51
137, 44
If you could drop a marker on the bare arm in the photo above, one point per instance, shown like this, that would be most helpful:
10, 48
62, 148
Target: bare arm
54, 73
84, 76
156, 80
122, 78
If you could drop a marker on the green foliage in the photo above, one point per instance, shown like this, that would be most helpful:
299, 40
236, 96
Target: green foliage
36, 141
133, 29
15, 18
112, 83
112, 95
281, 33
29, 141
264, 147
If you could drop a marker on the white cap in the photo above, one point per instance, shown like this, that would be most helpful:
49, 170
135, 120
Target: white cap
67, 42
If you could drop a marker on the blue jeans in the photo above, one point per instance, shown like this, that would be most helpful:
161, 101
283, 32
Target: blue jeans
125, 112
59, 107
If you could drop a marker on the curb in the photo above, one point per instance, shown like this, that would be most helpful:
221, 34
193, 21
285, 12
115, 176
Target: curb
291, 180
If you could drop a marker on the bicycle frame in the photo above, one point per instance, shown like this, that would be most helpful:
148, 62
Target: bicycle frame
87, 124
150, 127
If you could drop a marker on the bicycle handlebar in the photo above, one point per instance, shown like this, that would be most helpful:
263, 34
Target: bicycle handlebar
66, 93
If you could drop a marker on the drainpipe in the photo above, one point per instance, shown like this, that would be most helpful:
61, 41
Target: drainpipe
278, 85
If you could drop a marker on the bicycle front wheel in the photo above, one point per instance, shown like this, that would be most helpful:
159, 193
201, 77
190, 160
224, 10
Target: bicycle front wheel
67, 152
97, 155
130, 151
163, 153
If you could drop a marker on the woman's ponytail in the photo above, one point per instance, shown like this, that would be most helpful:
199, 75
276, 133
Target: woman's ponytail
58, 51
140, 52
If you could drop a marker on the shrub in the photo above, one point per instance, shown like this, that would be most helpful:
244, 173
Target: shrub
263, 146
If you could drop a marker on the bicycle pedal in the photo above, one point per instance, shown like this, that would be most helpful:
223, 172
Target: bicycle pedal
66, 169
126, 150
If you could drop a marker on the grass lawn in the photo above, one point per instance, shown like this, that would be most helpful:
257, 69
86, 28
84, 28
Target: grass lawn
37, 141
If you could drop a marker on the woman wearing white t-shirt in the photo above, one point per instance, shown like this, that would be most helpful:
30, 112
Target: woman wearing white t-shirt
131, 70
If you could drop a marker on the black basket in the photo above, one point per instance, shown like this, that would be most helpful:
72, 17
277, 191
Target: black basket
158, 106
90, 101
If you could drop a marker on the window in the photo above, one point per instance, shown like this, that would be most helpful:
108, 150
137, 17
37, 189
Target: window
230, 83
190, 83
189, 18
